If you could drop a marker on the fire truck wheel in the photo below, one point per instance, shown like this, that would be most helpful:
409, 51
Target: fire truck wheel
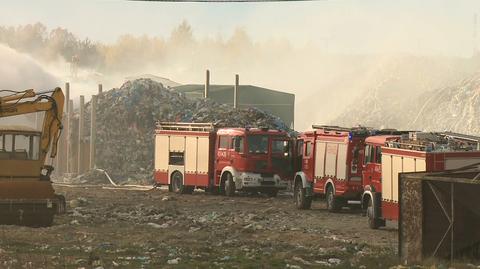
373, 222
177, 182
301, 200
333, 203
229, 185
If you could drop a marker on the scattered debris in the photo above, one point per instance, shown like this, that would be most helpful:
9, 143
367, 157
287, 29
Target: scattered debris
174, 261
334, 261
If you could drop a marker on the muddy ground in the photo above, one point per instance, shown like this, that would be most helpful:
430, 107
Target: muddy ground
107, 228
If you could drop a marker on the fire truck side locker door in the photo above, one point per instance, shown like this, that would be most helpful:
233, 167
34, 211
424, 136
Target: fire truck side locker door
203, 160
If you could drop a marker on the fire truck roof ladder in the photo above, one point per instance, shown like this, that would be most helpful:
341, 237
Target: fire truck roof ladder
331, 128
185, 126
464, 137
359, 130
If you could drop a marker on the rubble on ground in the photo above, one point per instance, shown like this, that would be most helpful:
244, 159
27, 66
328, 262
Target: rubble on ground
139, 229
126, 120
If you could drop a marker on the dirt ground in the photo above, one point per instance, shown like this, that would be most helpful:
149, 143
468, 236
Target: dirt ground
107, 228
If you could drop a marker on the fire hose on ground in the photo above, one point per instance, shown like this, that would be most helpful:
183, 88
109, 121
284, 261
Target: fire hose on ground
115, 185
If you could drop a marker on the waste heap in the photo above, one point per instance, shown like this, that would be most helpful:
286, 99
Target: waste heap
455, 107
126, 123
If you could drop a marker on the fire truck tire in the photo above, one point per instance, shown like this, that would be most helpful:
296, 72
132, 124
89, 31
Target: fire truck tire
229, 185
177, 182
301, 199
373, 223
334, 204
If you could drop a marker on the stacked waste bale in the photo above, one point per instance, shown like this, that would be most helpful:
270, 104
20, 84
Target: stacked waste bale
126, 124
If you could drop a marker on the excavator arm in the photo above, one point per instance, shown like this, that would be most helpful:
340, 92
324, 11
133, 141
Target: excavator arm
21, 103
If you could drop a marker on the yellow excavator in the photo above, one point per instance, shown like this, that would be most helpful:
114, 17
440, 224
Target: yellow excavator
27, 196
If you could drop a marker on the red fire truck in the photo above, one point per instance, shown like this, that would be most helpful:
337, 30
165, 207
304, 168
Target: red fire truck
386, 156
199, 155
329, 163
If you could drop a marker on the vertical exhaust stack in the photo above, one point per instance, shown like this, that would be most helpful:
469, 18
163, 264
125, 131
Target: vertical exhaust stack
100, 89
235, 91
207, 84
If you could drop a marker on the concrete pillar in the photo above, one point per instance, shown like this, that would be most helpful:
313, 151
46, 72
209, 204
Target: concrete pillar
67, 97
100, 89
93, 130
235, 91
81, 126
207, 84
69, 136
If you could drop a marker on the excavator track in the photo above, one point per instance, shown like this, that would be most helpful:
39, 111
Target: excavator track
26, 213
29, 203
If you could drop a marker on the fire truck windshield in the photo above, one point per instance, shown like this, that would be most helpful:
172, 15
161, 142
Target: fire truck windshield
257, 144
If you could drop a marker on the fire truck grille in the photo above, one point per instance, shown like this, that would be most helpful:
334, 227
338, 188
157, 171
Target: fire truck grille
260, 165
268, 183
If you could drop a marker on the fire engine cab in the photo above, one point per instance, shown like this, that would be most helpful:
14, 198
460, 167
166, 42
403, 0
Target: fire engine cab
199, 155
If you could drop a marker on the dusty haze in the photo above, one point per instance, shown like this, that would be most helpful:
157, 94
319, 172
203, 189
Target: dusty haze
326, 82
20, 72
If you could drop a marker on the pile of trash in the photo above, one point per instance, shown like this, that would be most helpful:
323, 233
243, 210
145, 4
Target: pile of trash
126, 116
454, 108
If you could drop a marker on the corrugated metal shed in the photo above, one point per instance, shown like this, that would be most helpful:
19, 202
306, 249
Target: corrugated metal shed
278, 103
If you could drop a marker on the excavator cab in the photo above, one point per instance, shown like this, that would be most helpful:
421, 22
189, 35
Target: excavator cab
27, 196
19, 143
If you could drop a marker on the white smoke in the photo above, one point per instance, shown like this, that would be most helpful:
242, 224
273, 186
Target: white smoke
19, 72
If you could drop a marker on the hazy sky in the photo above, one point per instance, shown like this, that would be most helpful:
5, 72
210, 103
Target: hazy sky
347, 26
